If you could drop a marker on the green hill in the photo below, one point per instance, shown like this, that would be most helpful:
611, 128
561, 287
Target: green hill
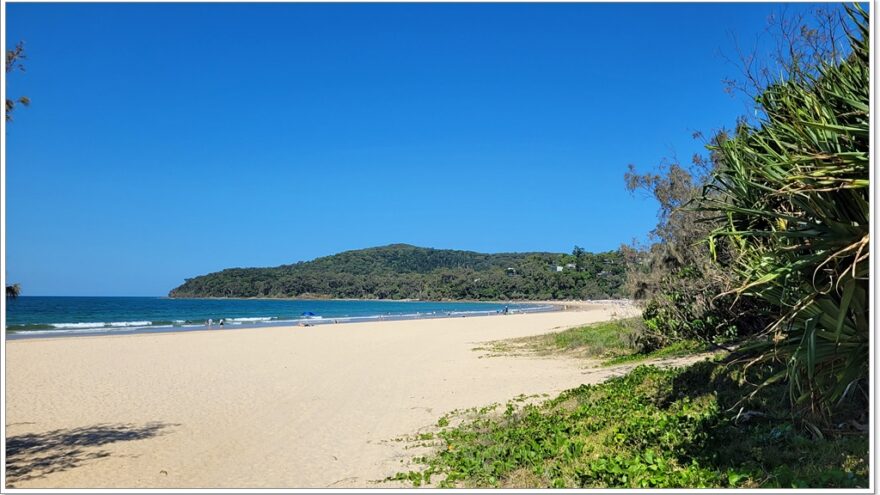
401, 271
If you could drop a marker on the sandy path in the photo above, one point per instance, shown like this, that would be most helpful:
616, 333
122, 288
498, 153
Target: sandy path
270, 408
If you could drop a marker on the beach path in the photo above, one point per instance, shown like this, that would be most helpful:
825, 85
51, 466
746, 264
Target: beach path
262, 408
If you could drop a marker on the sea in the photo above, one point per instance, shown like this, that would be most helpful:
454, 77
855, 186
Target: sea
42, 316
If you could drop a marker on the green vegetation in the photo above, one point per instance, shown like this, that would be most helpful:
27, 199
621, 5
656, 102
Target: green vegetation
13, 291
600, 339
793, 197
767, 240
14, 59
677, 278
676, 349
400, 271
612, 341
764, 244
605, 339
650, 428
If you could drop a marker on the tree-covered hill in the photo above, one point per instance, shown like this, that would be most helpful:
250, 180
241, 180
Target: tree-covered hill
401, 271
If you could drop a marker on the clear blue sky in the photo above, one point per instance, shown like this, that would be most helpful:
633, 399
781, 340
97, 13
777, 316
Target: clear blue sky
166, 141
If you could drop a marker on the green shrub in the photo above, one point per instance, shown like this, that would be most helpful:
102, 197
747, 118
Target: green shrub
794, 196
649, 428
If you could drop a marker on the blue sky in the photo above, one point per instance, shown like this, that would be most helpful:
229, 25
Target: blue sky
170, 140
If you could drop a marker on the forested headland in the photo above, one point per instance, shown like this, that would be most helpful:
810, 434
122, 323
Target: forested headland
401, 271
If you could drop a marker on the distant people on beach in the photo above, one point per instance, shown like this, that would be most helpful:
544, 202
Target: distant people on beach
210, 322
221, 322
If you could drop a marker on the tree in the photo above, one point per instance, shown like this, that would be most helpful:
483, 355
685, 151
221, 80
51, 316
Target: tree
677, 277
578, 253
13, 62
802, 41
13, 291
685, 282
775, 220
794, 193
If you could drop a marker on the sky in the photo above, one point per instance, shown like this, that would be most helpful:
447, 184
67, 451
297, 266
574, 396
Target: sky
166, 141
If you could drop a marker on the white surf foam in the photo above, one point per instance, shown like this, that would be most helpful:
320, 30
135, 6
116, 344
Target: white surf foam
131, 323
102, 324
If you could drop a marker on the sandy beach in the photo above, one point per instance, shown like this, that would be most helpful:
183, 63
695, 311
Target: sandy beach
264, 408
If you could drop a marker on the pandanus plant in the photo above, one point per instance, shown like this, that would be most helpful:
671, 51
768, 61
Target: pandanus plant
792, 194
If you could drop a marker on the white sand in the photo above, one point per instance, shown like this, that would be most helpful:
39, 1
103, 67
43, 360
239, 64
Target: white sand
268, 408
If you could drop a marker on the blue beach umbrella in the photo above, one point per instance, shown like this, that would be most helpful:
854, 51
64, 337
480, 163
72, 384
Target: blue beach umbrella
308, 313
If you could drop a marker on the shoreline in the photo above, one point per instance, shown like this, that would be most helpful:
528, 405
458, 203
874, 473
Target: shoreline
268, 408
298, 323
110, 329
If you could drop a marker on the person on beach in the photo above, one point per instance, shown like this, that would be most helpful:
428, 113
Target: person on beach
210, 322
221, 322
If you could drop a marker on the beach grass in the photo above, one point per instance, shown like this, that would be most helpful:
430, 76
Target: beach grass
612, 342
676, 349
598, 340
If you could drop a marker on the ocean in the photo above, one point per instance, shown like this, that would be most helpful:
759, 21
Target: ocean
37, 316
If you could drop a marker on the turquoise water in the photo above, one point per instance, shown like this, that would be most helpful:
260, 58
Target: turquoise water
53, 316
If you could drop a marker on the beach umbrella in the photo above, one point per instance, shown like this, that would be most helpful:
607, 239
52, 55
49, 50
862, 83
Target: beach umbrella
308, 313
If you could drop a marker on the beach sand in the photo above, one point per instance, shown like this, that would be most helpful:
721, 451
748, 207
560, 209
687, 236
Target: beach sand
262, 408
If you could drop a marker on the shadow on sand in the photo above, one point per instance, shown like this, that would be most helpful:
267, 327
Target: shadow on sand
36, 455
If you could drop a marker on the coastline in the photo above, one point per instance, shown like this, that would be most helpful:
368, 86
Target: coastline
305, 321
271, 407
132, 324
